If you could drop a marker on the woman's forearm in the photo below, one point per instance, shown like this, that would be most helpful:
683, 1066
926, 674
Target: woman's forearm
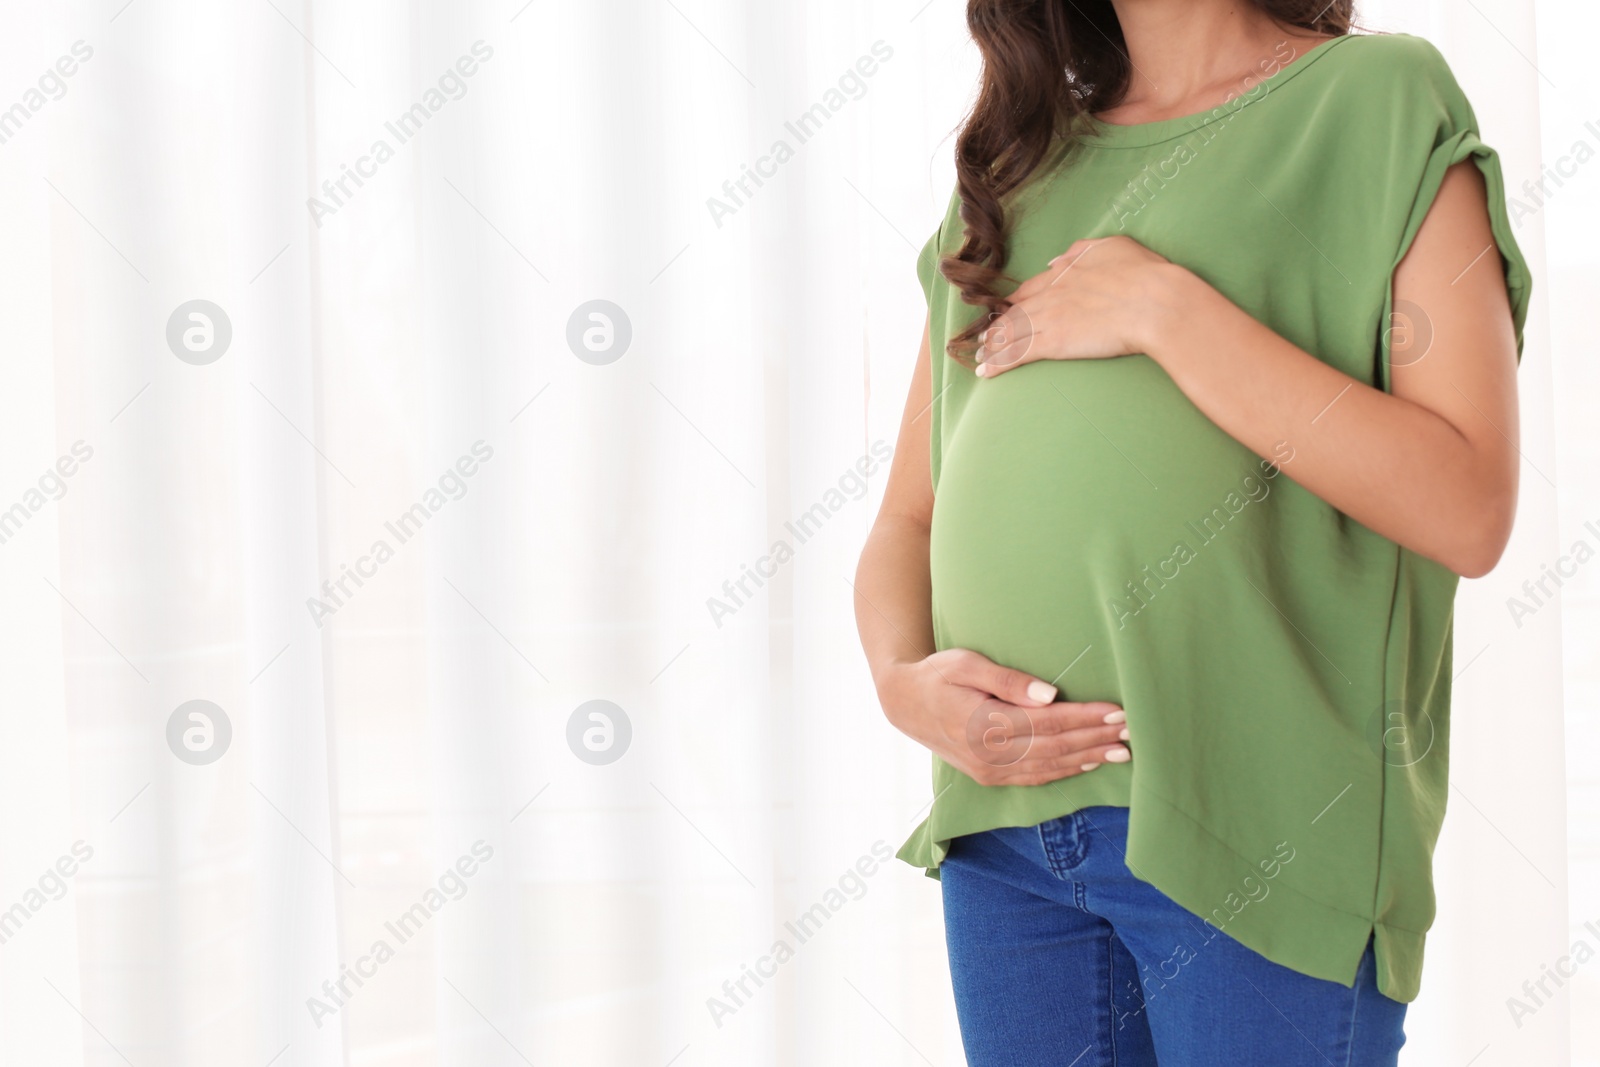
1393, 465
893, 590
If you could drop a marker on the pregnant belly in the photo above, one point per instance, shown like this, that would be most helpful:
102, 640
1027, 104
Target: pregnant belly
1075, 497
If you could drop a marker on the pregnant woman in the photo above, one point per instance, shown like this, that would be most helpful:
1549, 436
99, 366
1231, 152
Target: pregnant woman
1215, 404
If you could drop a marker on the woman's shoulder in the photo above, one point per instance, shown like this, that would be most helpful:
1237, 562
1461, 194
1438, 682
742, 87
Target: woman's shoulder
1389, 63
1389, 78
1391, 48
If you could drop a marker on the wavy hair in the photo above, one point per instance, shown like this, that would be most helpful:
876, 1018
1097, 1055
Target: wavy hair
1047, 66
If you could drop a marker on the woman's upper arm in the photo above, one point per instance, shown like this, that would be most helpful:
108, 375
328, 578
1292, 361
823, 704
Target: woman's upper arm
909, 492
1455, 349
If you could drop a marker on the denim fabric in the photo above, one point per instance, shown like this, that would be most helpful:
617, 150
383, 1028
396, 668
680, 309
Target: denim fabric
1062, 958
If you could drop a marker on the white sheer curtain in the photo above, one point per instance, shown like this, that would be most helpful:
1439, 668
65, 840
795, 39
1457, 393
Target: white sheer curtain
424, 508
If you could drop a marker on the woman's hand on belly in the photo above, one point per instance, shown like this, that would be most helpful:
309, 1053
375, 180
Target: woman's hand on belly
1431, 463
1094, 301
996, 725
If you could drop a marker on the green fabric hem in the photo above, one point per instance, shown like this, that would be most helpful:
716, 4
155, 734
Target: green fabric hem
1109, 786
1200, 873
1399, 960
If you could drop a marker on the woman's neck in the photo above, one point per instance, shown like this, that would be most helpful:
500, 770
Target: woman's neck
1187, 55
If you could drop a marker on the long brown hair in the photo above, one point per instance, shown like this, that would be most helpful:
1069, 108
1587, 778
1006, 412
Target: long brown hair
1047, 66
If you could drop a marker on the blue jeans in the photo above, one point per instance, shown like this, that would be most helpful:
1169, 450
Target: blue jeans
1062, 958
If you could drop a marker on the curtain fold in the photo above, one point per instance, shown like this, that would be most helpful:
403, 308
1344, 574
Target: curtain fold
477, 400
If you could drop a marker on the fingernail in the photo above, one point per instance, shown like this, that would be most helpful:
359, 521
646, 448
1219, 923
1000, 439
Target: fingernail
1043, 692
983, 370
1123, 735
1090, 766
1118, 755
1116, 717
982, 335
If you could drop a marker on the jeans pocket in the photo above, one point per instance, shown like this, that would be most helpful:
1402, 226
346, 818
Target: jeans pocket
1065, 842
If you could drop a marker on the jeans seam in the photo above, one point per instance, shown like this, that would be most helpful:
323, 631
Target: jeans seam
1049, 852
1355, 1014
1109, 1018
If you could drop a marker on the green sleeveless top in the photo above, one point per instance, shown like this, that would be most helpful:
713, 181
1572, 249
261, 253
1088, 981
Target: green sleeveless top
1285, 670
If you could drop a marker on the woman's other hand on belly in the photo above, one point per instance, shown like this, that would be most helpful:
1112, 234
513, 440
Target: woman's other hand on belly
996, 725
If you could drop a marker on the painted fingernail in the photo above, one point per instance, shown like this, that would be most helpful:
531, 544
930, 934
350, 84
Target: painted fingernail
1043, 692
1116, 717
1118, 755
1123, 736
1090, 766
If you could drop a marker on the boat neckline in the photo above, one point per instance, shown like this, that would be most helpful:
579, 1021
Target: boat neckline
1140, 134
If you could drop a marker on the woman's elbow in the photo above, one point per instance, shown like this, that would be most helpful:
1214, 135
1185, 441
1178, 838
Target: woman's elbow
1482, 538
1477, 563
